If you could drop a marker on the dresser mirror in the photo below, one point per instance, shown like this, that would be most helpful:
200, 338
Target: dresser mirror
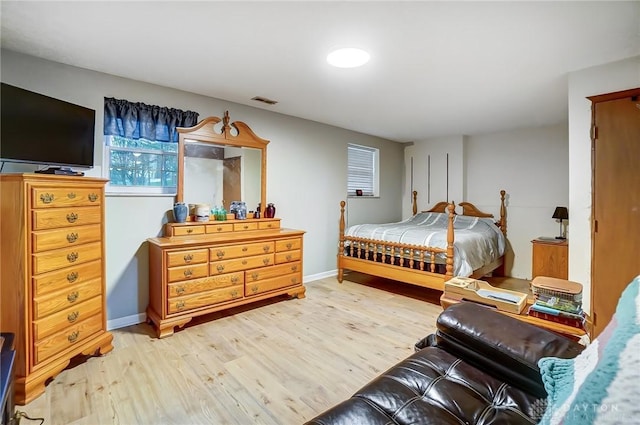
218, 166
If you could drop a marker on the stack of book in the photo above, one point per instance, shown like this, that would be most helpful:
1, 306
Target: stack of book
558, 301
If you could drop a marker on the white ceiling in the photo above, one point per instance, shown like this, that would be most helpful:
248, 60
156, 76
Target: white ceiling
436, 68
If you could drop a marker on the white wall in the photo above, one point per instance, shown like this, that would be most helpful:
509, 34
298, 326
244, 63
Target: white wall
603, 79
530, 164
306, 174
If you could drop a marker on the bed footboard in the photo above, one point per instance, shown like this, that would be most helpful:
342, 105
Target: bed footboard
397, 257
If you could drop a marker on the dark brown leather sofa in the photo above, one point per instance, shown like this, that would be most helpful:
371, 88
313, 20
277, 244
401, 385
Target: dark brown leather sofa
480, 367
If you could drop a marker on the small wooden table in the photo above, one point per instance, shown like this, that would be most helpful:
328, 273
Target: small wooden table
577, 334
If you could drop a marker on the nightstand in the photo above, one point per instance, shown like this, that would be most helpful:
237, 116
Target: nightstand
550, 258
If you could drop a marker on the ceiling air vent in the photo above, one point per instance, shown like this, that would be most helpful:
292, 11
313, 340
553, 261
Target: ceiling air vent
264, 100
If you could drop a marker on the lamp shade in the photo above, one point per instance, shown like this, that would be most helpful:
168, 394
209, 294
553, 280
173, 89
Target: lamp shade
561, 213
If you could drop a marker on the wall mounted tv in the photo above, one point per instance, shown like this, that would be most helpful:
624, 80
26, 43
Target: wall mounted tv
39, 129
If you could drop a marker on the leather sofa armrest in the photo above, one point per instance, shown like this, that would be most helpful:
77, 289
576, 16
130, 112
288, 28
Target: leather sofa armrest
502, 346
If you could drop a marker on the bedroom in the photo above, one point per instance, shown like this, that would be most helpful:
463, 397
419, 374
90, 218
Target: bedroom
561, 167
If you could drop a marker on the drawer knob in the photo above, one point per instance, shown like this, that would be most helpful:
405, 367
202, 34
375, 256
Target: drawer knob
245, 227
234, 279
73, 337
294, 268
73, 316
189, 230
220, 254
266, 248
180, 290
72, 237
288, 257
293, 280
220, 268
72, 217
188, 258
245, 249
72, 257
219, 229
266, 261
93, 197
188, 273
254, 289
234, 294
46, 198
269, 225
180, 305
73, 297
71, 195
72, 277
254, 275
244, 262
289, 245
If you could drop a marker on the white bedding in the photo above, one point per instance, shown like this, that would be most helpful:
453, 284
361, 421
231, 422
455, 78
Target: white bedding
478, 241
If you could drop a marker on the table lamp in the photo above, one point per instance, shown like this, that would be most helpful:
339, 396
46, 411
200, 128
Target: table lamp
561, 213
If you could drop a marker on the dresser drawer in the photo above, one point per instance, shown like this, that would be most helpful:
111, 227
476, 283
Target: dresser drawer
287, 256
219, 227
67, 338
244, 226
237, 264
273, 271
56, 322
261, 286
44, 240
268, 224
182, 258
52, 197
65, 217
188, 230
66, 278
179, 289
60, 258
175, 274
237, 251
288, 244
204, 299
53, 303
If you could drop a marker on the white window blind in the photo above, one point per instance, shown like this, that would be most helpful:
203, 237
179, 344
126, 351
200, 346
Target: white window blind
362, 162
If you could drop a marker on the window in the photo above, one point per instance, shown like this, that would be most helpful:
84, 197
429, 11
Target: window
141, 149
141, 166
363, 170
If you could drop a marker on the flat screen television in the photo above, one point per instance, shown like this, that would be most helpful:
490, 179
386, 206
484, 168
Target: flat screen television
39, 129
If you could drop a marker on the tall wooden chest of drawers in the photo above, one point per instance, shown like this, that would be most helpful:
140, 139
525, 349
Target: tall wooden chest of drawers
52, 280
201, 268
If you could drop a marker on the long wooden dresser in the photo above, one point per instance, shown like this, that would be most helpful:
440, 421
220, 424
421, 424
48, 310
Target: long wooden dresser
205, 267
52, 280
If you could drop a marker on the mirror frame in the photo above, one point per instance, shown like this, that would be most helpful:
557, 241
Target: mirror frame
204, 131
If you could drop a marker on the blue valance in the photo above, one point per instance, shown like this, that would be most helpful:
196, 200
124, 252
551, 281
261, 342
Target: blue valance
136, 120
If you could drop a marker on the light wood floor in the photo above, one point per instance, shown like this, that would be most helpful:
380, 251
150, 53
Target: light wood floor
282, 363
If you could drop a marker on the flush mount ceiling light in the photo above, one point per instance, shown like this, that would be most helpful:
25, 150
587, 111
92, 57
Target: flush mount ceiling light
349, 57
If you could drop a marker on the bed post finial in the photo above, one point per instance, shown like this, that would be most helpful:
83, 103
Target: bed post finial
415, 202
341, 244
503, 213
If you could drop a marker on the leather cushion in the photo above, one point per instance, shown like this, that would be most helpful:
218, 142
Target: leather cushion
506, 346
433, 387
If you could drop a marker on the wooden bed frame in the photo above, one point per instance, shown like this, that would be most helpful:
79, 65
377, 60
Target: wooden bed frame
407, 271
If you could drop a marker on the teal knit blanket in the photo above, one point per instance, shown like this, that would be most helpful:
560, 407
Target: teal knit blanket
602, 384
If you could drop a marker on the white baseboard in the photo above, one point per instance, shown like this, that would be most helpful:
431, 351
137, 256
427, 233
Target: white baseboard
318, 276
122, 322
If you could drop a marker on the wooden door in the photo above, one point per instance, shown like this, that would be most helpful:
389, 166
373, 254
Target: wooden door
232, 181
616, 200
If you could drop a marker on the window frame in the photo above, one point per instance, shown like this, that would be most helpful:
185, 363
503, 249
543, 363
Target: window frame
372, 186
